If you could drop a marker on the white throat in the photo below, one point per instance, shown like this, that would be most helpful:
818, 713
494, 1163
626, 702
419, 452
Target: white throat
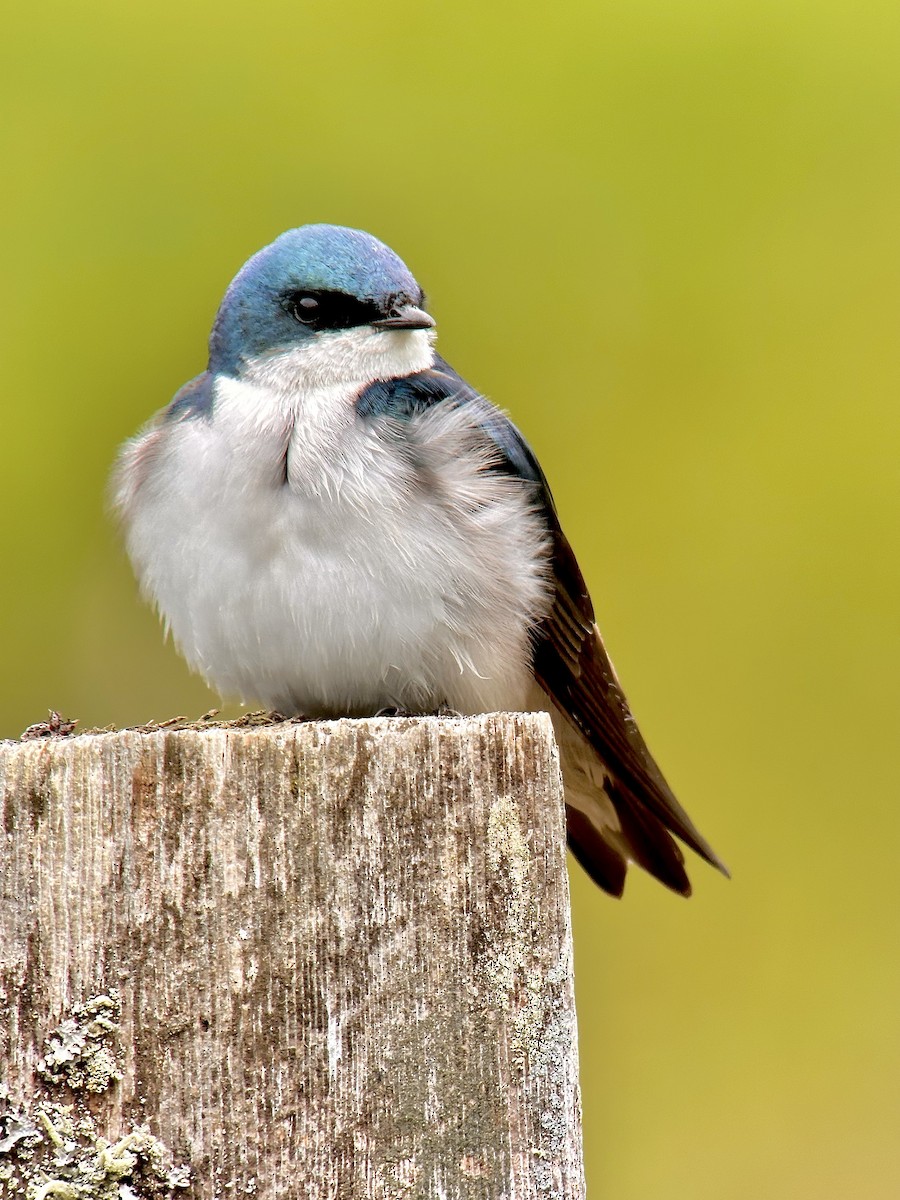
360, 355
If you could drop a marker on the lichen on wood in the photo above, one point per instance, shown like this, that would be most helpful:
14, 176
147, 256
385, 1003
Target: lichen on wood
53, 1151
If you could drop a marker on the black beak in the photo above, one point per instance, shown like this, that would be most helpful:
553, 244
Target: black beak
406, 317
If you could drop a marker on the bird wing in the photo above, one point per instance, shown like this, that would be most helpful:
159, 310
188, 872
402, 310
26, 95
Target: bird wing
572, 666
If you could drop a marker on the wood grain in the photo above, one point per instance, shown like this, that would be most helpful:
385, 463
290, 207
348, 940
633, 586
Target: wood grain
327, 960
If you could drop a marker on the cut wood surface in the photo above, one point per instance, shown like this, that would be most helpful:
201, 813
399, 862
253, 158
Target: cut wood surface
327, 960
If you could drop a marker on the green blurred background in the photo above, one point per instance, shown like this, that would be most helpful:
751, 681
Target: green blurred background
664, 237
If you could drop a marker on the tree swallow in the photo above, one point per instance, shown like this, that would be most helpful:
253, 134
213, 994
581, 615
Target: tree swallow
333, 522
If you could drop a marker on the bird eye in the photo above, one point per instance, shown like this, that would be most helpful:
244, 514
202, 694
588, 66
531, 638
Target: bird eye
305, 308
321, 311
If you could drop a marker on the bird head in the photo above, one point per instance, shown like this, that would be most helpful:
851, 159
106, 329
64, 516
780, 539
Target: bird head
320, 296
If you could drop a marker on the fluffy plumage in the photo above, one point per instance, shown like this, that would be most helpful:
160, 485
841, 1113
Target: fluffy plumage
333, 522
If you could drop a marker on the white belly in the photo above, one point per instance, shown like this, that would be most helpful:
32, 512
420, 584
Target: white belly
303, 561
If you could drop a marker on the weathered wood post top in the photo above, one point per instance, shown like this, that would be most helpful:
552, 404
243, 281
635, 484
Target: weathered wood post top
310, 960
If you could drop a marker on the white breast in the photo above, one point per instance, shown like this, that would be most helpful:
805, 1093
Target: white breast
323, 564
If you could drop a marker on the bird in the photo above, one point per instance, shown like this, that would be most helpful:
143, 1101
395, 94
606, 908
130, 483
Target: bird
331, 521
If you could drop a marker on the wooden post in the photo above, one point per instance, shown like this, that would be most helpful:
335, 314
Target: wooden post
327, 961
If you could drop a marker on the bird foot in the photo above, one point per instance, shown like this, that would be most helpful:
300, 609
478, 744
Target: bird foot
443, 710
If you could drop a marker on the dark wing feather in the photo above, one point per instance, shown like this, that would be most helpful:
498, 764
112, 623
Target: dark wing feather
571, 663
602, 862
